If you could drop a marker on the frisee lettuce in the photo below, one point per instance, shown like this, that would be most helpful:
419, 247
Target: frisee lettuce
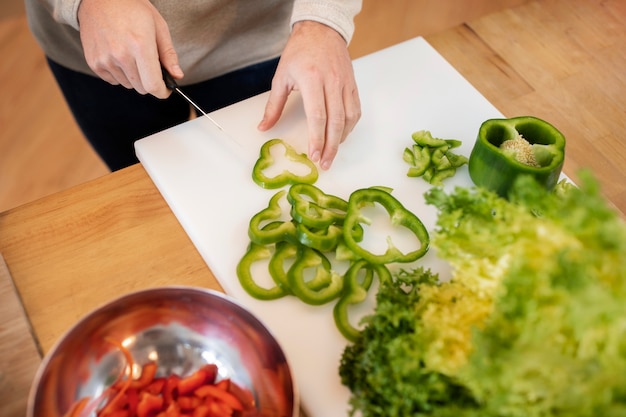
532, 322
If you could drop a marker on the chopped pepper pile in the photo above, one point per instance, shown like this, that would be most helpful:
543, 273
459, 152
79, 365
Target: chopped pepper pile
432, 158
199, 394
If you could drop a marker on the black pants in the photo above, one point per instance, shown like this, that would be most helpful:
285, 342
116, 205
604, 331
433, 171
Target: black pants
112, 117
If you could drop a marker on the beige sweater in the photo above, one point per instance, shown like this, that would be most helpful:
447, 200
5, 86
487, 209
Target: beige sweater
211, 37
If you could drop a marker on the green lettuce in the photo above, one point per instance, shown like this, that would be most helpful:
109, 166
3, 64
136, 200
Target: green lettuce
532, 322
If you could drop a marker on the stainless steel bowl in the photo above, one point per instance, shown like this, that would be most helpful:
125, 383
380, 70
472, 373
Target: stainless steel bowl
181, 328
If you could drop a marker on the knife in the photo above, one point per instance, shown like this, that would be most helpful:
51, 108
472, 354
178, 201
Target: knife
171, 83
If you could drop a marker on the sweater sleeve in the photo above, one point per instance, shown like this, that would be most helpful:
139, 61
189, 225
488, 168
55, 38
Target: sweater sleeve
64, 11
338, 14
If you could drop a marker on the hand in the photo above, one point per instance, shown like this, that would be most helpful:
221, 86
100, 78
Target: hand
316, 62
125, 42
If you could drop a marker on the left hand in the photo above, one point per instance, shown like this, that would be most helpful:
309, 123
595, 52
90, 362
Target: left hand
317, 63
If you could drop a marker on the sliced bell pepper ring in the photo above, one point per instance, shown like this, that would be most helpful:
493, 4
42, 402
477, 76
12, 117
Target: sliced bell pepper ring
343, 253
285, 177
355, 292
314, 208
399, 216
257, 253
495, 168
307, 259
265, 227
283, 253
324, 240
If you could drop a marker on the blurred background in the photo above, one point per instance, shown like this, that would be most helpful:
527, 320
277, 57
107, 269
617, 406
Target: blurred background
42, 151
578, 45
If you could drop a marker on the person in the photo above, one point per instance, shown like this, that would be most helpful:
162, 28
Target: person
107, 58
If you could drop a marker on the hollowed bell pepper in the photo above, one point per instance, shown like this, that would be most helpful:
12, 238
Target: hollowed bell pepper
399, 216
285, 177
355, 292
495, 168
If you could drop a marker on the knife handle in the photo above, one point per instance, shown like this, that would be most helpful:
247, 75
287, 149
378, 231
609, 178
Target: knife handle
170, 82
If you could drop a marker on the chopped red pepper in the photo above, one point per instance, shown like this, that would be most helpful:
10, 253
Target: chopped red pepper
170, 390
119, 413
77, 408
219, 394
149, 405
147, 376
156, 386
196, 395
202, 376
202, 411
188, 402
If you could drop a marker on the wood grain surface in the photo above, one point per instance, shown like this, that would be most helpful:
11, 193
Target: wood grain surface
560, 60
78, 249
105, 235
19, 357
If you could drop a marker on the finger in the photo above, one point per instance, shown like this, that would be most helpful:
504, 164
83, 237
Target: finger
167, 57
148, 70
315, 110
116, 75
122, 68
107, 76
353, 110
150, 76
275, 105
335, 125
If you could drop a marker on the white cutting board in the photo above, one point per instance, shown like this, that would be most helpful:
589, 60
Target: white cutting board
206, 179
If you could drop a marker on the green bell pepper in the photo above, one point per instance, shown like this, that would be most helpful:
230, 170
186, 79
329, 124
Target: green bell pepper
285, 253
399, 216
318, 217
265, 227
355, 292
324, 240
257, 253
314, 208
432, 158
311, 259
285, 177
494, 167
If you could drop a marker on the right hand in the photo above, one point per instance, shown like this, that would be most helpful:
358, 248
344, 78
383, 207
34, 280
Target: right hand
126, 42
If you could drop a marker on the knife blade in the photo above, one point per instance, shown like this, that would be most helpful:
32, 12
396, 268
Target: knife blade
171, 83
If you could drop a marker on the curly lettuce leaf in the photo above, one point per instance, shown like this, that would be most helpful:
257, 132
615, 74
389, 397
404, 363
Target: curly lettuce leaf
532, 322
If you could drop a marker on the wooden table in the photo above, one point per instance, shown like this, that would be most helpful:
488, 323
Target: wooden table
72, 251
